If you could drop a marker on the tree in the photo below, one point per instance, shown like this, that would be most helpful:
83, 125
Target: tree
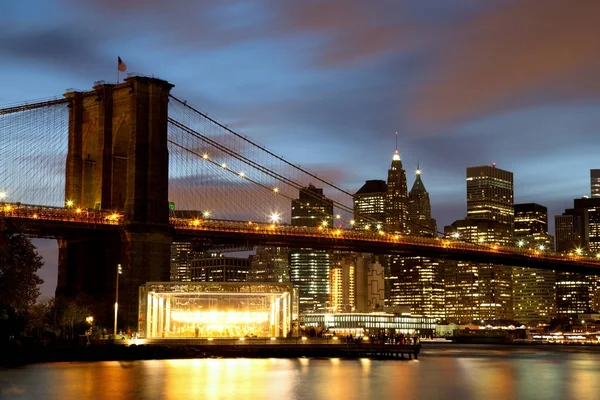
19, 281
72, 313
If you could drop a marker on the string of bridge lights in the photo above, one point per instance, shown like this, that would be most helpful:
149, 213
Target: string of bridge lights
275, 217
255, 165
30, 211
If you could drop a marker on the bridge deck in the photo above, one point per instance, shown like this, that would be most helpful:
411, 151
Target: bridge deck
50, 221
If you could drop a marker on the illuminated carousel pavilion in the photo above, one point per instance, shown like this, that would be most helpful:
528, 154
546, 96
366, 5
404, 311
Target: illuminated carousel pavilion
216, 309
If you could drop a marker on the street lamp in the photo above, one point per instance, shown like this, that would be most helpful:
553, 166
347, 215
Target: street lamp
88, 333
2, 196
119, 272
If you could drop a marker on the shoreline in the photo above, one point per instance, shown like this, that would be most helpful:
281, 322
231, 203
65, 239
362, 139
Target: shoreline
118, 352
17, 356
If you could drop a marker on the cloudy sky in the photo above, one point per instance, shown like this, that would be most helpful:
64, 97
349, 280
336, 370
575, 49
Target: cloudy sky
327, 83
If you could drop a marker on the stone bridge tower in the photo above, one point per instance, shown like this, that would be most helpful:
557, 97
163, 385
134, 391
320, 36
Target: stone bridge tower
118, 160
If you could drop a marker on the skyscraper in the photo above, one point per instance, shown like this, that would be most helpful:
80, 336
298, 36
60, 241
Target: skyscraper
369, 204
490, 194
531, 219
342, 278
218, 267
181, 261
595, 182
396, 204
309, 268
590, 209
474, 290
418, 282
569, 231
534, 290
477, 291
419, 210
270, 264
312, 208
578, 232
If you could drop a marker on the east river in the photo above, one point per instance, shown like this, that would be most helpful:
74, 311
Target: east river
442, 372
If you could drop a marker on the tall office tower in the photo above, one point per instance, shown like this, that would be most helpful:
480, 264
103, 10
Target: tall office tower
419, 210
578, 232
590, 207
342, 283
595, 182
181, 261
534, 290
476, 291
569, 231
217, 267
396, 202
531, 219
312, 208
270, 264
490, 194
417, 282
369, 204
309, 268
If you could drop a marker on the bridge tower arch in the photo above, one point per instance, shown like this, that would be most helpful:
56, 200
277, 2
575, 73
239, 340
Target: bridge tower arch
118, 160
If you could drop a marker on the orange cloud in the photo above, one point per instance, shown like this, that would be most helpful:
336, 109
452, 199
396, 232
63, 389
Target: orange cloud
524, 52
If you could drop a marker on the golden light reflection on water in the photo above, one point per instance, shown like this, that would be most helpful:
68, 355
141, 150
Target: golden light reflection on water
506, 376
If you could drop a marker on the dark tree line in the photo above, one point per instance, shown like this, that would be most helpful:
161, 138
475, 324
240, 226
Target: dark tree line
19, 282
21, 315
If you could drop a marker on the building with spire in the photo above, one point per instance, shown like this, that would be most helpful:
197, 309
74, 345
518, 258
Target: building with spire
419, 209
418, 282
396, 205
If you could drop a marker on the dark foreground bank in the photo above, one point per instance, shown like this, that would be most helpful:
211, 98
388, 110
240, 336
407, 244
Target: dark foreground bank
13, 354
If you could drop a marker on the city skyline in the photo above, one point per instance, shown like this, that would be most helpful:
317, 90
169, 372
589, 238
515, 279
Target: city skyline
318, 106
343, 92
300, 199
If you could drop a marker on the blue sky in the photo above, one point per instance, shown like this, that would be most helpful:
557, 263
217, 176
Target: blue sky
327, 83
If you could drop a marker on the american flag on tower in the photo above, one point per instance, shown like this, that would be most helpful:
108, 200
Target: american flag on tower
121, 66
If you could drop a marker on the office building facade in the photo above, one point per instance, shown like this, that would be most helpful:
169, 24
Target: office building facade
342, 283
309, 268
477, 291
270, 264
369, 205
217, 267
534, 290
578, 233
595, 182
490, 194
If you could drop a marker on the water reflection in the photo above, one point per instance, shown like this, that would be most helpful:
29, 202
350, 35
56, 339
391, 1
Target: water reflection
503, 375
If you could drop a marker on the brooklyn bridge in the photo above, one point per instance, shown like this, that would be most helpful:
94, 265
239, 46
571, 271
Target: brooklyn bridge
101, 170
